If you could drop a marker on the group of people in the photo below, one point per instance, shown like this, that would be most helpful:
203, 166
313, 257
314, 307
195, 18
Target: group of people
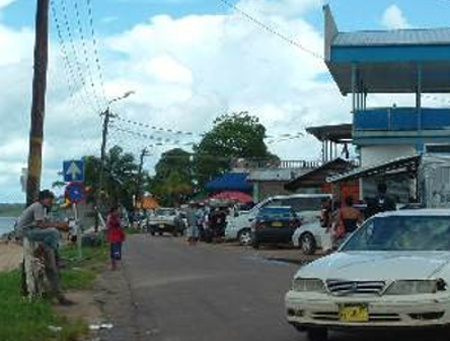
205, 223
347, 218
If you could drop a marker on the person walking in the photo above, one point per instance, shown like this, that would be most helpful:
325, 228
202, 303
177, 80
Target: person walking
192, 220
349, 219
34, 225
115, 236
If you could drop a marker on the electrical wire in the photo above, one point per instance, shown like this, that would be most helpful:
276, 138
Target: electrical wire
272, 31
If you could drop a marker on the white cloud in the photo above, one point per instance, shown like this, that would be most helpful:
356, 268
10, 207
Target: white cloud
185, 72
394, 19
5, 3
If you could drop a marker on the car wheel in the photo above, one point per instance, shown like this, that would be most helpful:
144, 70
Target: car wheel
160, 233
307, 244
245, 237
318, 334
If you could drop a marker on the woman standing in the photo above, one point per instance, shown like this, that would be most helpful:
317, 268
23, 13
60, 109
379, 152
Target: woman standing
115, 236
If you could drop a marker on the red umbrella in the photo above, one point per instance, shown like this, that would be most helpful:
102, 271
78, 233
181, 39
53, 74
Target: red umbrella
233, 196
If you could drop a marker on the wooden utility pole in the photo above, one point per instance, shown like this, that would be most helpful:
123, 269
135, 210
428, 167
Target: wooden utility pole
32, 282
107, 116
38, 102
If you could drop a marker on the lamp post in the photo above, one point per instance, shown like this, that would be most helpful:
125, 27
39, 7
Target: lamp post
107, 117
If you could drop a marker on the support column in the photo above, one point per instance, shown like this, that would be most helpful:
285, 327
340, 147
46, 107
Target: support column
354, 71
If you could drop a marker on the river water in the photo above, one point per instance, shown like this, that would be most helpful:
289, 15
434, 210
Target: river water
6, 224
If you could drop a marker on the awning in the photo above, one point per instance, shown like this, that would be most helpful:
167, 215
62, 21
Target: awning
233, 196
341, 133
318, 177
230, 182
404, 164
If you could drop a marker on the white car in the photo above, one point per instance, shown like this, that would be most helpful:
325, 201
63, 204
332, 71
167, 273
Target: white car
311, 237
391, 273
306, 206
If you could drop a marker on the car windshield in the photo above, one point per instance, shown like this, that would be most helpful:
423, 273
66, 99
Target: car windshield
402, 233
165, 212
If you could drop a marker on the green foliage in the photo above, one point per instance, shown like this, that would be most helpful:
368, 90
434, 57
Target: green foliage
29, 321
120, 177
174, 178
239, 135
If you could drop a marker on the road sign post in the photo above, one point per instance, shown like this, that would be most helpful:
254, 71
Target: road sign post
73, 171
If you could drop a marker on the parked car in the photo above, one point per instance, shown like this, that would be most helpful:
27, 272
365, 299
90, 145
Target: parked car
306, 206
274, 225
311, 237
165, 220
391, 273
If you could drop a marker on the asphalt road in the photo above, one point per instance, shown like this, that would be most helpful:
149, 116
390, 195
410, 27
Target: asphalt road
169, 291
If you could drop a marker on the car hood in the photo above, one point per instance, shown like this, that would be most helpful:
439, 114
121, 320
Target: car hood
377, 266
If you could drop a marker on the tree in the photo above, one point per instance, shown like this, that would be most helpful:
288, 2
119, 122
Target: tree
173, 180
239, 135
120, 177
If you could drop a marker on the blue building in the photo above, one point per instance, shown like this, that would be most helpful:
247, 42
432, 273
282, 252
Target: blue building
413, 61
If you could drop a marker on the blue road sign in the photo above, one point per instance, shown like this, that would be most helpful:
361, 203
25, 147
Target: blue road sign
73, 170
75, 192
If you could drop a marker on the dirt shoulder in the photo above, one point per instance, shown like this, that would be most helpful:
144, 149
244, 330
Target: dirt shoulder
10, 256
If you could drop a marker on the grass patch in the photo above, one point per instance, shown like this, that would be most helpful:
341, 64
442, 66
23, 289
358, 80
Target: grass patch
21, 320
29, 321
80, 275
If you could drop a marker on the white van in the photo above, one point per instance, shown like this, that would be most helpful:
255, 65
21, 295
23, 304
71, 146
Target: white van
307, 206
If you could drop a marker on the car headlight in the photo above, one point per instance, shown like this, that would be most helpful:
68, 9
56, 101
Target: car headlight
308, 285
416, 287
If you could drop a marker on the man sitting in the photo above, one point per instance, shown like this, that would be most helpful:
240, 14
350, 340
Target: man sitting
34, 225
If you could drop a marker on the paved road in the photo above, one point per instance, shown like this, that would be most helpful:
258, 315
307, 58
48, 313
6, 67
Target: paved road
169, 291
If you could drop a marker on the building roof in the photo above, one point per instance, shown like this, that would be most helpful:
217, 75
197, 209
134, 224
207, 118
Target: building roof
230, 182
318, 177
400, 164
283, 175
439, 36
388, 61
336, 133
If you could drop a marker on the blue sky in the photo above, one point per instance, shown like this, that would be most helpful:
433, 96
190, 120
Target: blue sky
188, 61
119, 15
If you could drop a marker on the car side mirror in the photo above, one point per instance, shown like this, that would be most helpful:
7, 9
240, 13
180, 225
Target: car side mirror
236, 214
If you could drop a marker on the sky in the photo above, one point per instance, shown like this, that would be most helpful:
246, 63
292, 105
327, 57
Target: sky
188, 61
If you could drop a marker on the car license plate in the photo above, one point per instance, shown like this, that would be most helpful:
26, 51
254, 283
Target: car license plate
354, 313
161, 226
277, 224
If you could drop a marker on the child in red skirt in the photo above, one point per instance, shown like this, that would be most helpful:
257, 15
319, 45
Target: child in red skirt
115, 236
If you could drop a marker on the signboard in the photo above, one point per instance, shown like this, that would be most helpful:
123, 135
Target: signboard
75, 192
73, 171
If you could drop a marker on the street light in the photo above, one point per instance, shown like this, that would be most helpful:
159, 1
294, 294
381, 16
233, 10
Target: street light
125, 95
107, 114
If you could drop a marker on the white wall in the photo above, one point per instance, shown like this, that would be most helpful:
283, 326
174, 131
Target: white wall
373, 155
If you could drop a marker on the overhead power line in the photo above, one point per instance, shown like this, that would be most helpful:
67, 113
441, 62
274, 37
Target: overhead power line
158, 129
272, 31
100, 101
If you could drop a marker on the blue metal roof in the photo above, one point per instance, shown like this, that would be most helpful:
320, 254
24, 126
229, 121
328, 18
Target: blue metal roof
388, 61
230, 182
439, 36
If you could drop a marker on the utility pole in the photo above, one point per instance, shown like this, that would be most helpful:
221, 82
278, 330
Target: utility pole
107, 116
138, 194
38, 102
